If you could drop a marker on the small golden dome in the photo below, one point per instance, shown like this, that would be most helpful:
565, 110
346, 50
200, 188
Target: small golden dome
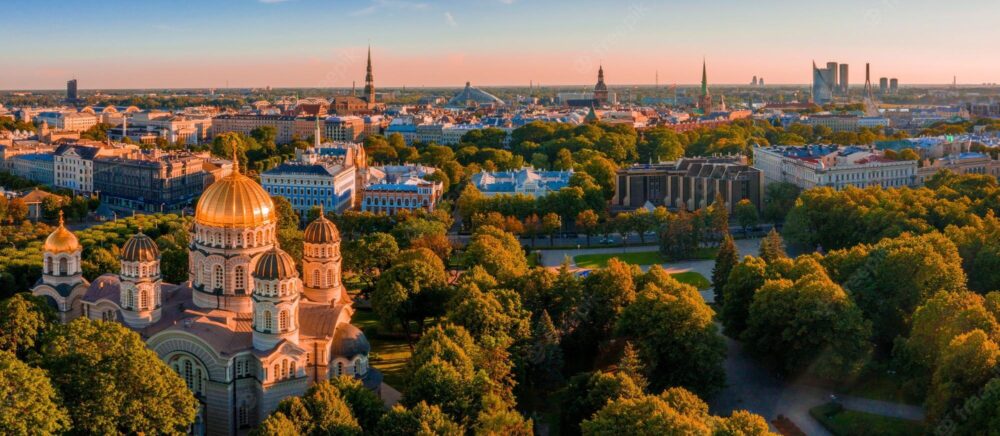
275, 264
61, 240
321, 231
140, 248
235, 201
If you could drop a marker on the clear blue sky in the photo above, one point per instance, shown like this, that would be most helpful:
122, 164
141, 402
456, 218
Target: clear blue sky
187, 43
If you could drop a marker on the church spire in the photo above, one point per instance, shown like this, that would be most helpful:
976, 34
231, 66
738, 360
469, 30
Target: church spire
369, 79
704, 77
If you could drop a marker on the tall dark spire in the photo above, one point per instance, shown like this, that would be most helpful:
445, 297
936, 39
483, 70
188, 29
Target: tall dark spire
369, 80
704, 78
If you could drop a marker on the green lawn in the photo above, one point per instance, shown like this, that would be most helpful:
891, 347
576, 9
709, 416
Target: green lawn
389, 355
693, 278
634, 258
595, 261
842, 422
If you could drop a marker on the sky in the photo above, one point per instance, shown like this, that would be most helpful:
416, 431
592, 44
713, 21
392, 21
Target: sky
115, 44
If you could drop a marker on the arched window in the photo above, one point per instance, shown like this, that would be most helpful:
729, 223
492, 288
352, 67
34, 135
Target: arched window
277, 371
357, 366
315, 281
218, 277
267, 321
329, 277
143, 300
340, 368
291, 369
283, 320
63, 266
48, 265
240, 277
284, 368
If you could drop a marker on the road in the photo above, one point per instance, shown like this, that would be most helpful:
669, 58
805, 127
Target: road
751, 386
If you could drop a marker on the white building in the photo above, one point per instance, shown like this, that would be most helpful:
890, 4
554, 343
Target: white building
73, 164
837, 167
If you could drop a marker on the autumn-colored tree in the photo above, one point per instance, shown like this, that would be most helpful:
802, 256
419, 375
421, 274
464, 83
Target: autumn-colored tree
725, 260
586, 222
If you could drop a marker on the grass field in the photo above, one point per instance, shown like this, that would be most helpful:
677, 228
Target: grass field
634, 258
388, 355
842, 422
693, 278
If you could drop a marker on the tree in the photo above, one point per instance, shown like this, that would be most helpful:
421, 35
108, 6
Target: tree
498, 252
746, 215
772, 247
112, 383
17, 210
673, 329
365, 406
586, 221
493, 317
23, 321
719, 217
779, 198
725, 260
322, 410
743, 282
632, 366
980, 413
277, 425
967, 364
743, 423
287, 217
498, 419
899, 275
606, 293
532, 227
411, 290
808, 323
586, 393
437, 243
643, 416
30, 404
370, 255
551, 223
545, 361
421, 419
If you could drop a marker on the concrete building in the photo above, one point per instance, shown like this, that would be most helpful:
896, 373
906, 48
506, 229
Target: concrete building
526, 181
691, 182
150, 181
309, 184
68, 121
187, 129
393, 188
824, 80
284, 126
37, 167
844, 83
959, 163
347, 128
74, 164
837, 167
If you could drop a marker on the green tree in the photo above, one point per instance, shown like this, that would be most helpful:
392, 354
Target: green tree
30, 404
746, 215
365, 406
742, 284
725, 260
23, 321
277, 425
772, 247
586, 221
551, 223
808, 323
980, 414
112, 383
545, 362
779, 198
586, 393
673, 329
631, 365
322, 410
287, 217
421, 419
411, 290
969, 362
498, 252
369, 255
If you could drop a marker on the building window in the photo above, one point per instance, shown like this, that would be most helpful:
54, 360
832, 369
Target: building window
218, 277
63, 266
340, 368
315, 278
283, 321
329, 277
143, 300
240, 278
267, 321
244, 417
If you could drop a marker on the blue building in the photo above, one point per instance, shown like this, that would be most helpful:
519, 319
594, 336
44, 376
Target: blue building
309, 184
527, 181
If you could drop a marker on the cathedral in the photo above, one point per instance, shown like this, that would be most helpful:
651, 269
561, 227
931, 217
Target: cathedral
246, 330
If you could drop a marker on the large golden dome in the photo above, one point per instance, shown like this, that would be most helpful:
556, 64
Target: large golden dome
61, 240
235, 201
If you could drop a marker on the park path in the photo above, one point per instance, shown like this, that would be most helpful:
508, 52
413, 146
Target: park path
751, 386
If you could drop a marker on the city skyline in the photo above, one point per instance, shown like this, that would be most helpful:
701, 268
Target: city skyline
428, 43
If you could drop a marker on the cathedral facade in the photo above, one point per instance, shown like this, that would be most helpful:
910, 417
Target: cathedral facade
246, 330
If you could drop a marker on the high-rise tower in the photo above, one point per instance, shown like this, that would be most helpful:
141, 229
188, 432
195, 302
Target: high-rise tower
369, 80
844, 82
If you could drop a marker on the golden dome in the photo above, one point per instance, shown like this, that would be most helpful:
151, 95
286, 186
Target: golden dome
61, 240
235, 201
321, 231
